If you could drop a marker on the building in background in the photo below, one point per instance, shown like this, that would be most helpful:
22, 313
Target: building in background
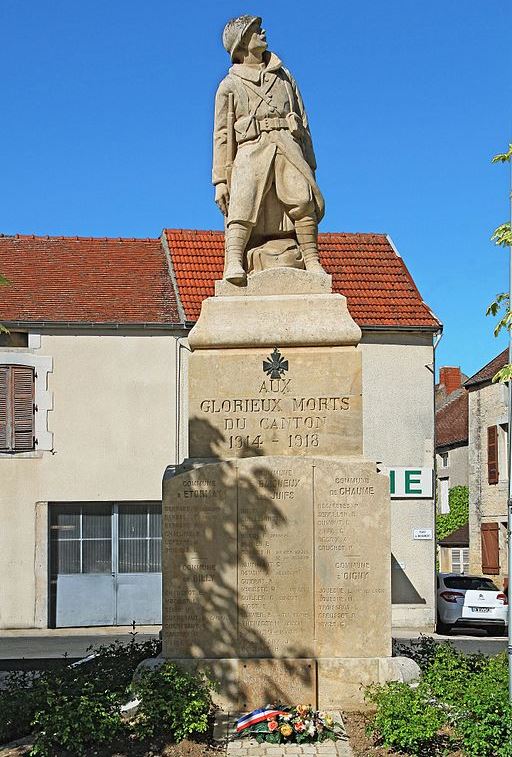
93, 408
451, 399
488, 477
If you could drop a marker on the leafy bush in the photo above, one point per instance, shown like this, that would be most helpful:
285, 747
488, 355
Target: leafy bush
447, 523
19, 701
484, 719
422, 650
76, 722
173, 702
78, 707
406, 718
464, 695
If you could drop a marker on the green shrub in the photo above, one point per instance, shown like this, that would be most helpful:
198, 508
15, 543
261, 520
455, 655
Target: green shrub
422, 650
174, 702
19, 701
447, 523
77, 721
484, 719
406, 717
449, 672
465, 694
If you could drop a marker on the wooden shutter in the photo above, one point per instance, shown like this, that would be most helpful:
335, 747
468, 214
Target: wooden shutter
22, 383
490, 548
3, 406
492, 455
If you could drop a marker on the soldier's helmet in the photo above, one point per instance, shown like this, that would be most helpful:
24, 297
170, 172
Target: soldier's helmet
235, 30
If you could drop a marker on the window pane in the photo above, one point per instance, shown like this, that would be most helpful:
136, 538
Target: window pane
65, 557
133, 556
65, 523
155, 520
133, 521
97, 556
155, 556
97, 521
470, 583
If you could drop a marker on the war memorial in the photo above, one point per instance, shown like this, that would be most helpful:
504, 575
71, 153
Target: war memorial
277, 551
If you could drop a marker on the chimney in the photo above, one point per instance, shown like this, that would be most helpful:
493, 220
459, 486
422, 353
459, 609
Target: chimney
451, 378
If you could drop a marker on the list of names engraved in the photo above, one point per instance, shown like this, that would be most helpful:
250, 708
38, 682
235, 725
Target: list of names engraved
352, 566
275, 560
200, 562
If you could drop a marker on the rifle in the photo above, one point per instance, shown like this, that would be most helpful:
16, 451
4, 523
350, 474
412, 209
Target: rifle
230, 138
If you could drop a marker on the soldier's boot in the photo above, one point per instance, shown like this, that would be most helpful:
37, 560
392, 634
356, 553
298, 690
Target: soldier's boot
237, 235
306, 230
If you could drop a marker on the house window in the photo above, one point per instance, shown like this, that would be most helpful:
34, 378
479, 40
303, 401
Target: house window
493, 474
14, 339
444, 459
17, 408
460, 559
444, 495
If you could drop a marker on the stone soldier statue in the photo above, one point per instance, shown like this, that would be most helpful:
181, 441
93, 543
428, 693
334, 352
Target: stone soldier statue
263, 159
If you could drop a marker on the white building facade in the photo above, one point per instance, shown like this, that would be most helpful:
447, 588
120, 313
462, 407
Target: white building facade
94, 377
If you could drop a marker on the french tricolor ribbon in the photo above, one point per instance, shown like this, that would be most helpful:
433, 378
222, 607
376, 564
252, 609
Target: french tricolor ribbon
257, 716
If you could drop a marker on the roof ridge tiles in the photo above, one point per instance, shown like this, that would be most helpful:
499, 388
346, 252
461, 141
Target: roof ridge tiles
48, 237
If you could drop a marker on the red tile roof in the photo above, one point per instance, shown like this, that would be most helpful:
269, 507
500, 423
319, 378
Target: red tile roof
365, 268
485, 374
85, 280
76, 279
452, 421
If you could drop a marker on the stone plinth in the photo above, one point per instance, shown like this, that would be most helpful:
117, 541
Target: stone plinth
282, 306
276, 541
278, 563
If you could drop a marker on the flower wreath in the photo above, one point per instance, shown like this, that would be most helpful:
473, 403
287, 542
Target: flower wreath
300, 725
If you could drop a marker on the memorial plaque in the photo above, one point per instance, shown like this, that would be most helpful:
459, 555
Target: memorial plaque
352, 565
200, 562
277, 557
275, 572
287, 401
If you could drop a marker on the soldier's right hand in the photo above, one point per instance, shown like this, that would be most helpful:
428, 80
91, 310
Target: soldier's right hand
222, 197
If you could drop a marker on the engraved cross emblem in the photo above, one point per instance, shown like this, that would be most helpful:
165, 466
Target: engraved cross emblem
275, 365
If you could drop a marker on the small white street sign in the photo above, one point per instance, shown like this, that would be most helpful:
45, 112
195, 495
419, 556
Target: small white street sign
422, 533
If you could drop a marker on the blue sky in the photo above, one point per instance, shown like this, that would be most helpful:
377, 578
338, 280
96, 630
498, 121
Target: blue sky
107, 113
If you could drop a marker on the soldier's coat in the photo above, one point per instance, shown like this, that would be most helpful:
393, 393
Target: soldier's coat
259, 93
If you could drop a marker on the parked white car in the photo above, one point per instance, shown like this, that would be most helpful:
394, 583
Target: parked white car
470, 601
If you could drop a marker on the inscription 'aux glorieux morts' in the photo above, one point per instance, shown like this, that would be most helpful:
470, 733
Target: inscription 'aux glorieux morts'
273, 405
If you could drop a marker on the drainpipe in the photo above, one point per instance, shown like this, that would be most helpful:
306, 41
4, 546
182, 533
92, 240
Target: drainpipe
437, 339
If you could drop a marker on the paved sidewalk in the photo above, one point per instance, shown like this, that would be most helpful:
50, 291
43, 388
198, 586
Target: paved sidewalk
44, 644
251, 748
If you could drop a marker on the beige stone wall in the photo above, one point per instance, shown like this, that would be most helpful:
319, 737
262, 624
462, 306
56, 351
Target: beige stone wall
132, 381
487, 502
115, 425
457, 470
398, 418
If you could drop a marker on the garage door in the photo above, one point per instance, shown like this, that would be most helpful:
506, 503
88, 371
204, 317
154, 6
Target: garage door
105, 563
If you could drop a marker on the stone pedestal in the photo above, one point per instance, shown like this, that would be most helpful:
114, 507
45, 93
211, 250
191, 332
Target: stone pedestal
276, 529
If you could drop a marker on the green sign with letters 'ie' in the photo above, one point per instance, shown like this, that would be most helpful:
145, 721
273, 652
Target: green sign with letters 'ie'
412, 483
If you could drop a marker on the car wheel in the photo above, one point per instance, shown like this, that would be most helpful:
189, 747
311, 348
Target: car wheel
443, 628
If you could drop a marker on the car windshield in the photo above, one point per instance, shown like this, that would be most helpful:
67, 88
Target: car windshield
469, 582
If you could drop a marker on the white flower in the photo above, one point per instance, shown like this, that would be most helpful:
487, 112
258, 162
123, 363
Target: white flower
311, 730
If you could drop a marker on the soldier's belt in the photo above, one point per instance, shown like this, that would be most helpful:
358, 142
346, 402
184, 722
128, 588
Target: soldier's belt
270, 124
